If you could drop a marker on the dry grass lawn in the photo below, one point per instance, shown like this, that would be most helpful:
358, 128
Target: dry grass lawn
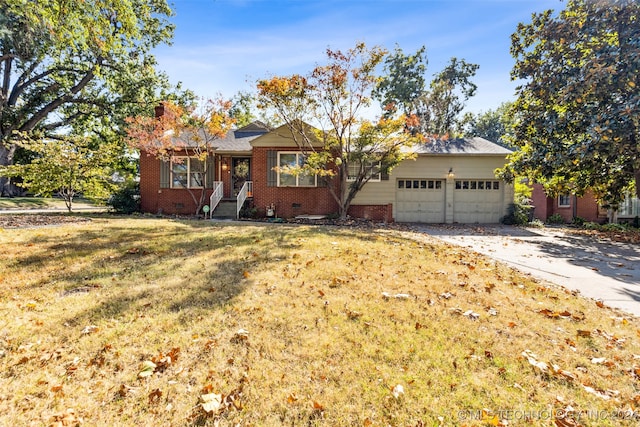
148, 322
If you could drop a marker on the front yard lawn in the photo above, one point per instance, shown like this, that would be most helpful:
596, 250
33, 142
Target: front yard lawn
22, 203
160, 322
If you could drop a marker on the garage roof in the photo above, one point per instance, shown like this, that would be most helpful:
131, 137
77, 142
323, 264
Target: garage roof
475, 145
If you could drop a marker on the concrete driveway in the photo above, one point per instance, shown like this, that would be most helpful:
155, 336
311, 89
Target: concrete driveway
599, 269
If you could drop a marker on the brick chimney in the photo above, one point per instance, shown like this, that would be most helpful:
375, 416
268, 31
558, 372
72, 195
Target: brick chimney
159, 110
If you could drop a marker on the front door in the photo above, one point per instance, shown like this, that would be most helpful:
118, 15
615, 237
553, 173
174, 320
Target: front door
240, 172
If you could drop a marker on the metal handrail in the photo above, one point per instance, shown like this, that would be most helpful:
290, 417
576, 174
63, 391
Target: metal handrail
244, 192
216, 196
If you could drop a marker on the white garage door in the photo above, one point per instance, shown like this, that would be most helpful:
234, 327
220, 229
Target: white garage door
477, 201
420, 200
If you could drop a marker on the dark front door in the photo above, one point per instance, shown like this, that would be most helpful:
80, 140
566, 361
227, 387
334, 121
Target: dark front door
240, 172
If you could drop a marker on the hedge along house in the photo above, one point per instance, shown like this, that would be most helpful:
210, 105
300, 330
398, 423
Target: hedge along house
450, 181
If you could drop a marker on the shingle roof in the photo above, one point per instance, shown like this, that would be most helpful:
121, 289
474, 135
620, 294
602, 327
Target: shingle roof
475, 145
240, 139
237, 140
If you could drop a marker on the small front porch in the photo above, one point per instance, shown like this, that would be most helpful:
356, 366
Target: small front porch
221, 207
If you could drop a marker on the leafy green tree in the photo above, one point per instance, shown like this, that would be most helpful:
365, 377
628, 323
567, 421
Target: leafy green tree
347, 149
77, 63
438, 108
577, 114
242, 108
493, 125
403, 82
66, 167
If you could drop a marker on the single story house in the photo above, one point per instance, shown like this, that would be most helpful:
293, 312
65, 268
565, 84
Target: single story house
570, 206
450, 181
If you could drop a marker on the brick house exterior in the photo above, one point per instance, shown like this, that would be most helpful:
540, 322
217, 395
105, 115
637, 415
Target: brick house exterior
567, 206
450, 182
287, 202
156, 194
570, 206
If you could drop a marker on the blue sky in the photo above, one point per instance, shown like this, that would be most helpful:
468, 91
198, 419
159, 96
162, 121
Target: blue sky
225, 46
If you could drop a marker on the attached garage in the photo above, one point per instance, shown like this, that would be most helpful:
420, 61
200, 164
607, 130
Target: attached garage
420, 200
478, 201
448, 181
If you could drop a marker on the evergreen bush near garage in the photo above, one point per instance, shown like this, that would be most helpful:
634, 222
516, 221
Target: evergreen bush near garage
518, 214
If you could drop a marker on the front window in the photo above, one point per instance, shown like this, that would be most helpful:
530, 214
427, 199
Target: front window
564, 201
289, 179
187, 172
372, 168
630, 206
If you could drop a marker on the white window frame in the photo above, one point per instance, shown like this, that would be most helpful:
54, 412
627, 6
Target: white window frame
371, 167
568, 202
300, 157
186, 161
630, 206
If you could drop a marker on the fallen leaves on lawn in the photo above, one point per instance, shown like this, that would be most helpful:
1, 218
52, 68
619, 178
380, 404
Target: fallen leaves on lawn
148, 368
397, 391
24, 221
89, 329
216, 404
65, 418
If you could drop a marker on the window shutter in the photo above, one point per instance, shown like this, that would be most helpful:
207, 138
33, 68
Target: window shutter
165, 174
211, 166
272, 162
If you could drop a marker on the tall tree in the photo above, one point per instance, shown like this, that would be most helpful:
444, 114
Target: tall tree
66, 61
182, 135
346, 148
577, 115
403, 82
242, 108
438, 108
493, 125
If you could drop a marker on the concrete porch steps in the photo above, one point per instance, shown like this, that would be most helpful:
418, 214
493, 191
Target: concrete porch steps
226, 209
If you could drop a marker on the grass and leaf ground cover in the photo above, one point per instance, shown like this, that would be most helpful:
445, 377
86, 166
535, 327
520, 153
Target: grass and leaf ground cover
117, 322
22, 203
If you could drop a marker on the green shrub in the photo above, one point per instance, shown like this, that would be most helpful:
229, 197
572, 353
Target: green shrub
517, 214
614, 227
591, 226
126, 199
556, 218
578, 221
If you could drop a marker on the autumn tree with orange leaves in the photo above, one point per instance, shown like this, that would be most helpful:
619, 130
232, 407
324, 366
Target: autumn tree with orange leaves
181, 133
327, 114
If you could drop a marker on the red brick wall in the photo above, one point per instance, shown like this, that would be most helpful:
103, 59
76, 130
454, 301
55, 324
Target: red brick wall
169, 201
372, 212
540, 202
584, 207
588, 208
289, 201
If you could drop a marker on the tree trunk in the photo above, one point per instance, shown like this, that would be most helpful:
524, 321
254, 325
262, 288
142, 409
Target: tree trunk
7, 188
